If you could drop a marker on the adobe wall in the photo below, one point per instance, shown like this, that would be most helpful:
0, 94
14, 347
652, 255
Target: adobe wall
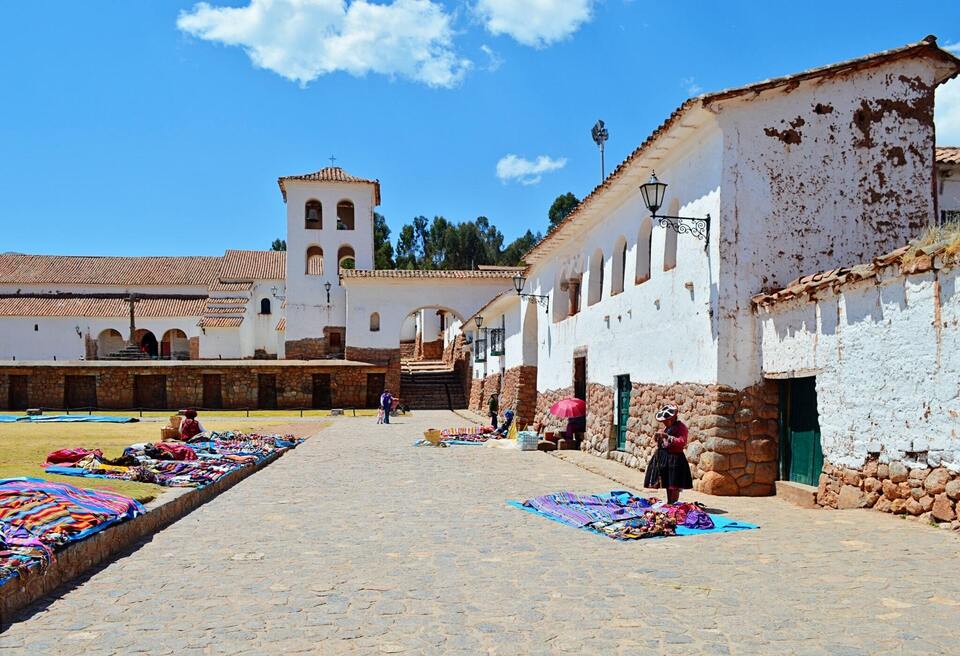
733, 433
184, 384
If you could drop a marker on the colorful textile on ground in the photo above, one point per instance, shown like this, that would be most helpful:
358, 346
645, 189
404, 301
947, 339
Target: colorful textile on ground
7, 419
20, 550
625, 516
205, 460
37, 516
468, 433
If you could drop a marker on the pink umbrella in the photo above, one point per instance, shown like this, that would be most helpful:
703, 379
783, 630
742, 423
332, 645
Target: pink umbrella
569, 408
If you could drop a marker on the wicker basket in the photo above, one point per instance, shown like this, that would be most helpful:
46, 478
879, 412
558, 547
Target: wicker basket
432, 435
168, 433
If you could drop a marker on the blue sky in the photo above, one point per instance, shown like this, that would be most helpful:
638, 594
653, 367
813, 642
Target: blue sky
142, 128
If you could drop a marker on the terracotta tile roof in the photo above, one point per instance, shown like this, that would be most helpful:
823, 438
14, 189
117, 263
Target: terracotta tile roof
328, 174
253, 265
926, 47
220, 322
116, 271
47, 306
282, 324
948, 155
421, 274
220, 286
924, 259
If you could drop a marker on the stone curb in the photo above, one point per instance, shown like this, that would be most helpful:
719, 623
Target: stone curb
83, 556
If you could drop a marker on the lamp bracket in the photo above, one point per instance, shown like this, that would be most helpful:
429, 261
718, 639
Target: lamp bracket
682, 225
538, 299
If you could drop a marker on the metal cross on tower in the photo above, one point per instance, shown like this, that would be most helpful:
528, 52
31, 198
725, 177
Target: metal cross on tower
332, 160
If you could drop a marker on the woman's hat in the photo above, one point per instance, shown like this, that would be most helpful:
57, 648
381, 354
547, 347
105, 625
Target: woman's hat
666, 412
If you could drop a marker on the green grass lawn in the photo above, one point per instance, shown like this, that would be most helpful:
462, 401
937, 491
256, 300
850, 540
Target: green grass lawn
24, 448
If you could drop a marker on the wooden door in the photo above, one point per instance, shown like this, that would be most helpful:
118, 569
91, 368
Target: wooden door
336, 342
801, 451
623, 410
321, 391
267, 391
375, 385
212, 391
580, 378
18, 393
80, 392
150, 391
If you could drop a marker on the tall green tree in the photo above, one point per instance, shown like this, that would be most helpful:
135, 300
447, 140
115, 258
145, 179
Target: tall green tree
279, 245
382, 248
513, 254
562, 206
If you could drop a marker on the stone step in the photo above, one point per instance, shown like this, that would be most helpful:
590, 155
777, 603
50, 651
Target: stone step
798, 494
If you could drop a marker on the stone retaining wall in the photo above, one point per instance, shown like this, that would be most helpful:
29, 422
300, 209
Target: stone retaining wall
519, 393
83, 556
931, 493
734, 434
388, 359
184, 384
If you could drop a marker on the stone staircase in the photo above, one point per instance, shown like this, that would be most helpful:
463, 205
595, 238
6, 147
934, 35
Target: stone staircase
129, 352
430, 385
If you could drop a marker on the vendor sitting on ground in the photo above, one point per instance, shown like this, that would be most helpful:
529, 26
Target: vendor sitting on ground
507, 422
190, 426
668, 468
575, 425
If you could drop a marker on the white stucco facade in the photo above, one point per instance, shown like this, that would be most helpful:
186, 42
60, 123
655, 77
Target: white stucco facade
886, 356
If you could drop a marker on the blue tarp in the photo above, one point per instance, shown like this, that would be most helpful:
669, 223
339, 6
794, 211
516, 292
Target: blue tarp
721, 524
9, 419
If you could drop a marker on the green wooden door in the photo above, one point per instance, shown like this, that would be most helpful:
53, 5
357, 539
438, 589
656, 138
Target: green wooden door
801, 452
623, 410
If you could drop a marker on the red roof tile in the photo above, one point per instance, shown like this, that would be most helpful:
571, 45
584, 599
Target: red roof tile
282, 324
45, 306
948, 155
220, 322
253, 265
328, 174
116, 271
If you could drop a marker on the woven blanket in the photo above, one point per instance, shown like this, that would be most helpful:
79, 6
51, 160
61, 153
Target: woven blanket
20, 551
57, 513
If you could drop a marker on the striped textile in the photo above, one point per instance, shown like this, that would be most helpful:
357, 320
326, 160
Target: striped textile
580, 511
20, 551
58, 513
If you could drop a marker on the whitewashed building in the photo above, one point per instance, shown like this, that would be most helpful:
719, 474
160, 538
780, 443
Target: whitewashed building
813, 171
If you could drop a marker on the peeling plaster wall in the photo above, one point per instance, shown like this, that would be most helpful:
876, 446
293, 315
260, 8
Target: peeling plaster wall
830, 173
887, 362
658, 331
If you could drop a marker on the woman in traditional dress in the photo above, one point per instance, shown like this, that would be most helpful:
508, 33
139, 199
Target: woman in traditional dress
668, 468
190, 426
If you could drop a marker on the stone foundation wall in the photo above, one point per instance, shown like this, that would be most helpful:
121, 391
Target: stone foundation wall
734, 434
475, 402
520, 394
431, 350
387, 359
931, 493
408, 350
184, 384
480, 391
308, 348
542, 417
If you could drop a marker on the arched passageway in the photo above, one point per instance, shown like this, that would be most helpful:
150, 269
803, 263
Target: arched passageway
175, 345
109, 341
147, 342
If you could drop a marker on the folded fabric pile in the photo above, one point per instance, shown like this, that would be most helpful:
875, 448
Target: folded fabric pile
37, 517
624, 516
468, 434
204, 460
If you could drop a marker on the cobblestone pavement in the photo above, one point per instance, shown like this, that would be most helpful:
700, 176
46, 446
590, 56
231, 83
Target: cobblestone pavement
357, 542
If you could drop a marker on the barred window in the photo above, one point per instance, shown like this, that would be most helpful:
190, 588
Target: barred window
480, 350
496, 341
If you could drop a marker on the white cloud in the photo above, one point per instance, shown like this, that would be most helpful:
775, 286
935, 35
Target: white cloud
536, 23
511, 167
952, 47
946, 113
304, 39
691, 86
494, 60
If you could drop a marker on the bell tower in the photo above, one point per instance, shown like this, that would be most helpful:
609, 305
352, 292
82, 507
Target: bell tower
329, 228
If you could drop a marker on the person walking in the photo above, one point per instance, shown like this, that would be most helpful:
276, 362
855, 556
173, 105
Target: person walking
493, 410
386, 404
668, 468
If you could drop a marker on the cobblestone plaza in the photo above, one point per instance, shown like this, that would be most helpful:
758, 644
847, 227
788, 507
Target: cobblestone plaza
356, 542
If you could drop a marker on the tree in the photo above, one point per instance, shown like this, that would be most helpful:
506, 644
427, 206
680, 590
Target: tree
513, 254
382, 248
562, 206
279, 245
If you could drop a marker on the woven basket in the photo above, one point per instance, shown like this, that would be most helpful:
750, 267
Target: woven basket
432, 435
168, 433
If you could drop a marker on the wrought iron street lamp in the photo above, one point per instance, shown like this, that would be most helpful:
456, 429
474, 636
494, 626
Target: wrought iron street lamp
479, 321
327, 287
653, 193
519, 281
